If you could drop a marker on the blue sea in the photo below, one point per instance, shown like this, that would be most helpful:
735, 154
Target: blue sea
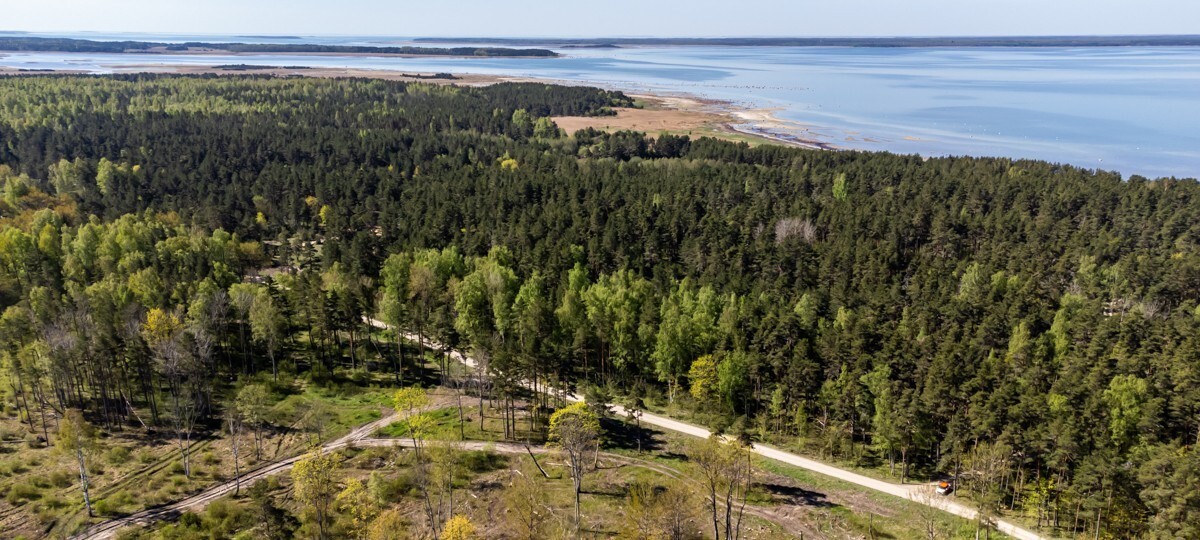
1135, 110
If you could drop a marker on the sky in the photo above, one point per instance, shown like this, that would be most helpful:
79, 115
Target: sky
613, 18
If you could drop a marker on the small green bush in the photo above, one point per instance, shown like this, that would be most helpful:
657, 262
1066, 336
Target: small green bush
190, 520
62, 478
19, 494
104, 508
481, 462
119, 455
7, 434
146, 457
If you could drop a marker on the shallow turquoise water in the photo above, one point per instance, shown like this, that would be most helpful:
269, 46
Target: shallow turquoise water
1130, 109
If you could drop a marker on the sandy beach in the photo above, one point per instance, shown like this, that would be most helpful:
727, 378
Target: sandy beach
698, 117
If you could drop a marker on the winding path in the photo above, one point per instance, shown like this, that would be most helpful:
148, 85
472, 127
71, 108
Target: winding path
108, 529
361, 436
358, 437
911, 492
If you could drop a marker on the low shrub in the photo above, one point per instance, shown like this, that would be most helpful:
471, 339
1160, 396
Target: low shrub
62, 478
118, 455
19, 494
146, 457
104, 508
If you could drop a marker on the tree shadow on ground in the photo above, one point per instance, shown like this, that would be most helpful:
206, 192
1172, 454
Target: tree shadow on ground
796, 495
619, 434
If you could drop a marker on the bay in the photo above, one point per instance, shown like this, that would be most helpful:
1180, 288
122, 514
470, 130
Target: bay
1133, 110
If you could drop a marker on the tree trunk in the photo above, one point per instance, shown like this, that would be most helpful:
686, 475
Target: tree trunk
83, 479
399, 358
237, 471
185, 447
535, 462
638, 416
462, 428
578, 488
712, 497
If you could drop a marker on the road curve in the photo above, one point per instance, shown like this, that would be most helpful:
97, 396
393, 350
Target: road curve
903, 491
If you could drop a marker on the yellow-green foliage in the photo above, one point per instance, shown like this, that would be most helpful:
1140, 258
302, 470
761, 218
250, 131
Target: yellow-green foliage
458, 528
575, 412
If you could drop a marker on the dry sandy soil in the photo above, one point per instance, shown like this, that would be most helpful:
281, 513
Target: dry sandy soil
698, 118
659, 114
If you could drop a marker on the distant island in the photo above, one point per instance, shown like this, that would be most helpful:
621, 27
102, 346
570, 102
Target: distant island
1001, 41
39, 44
250, 67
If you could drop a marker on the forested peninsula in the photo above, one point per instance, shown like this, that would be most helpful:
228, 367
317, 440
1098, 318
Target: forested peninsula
1029, 329
42, 44
947, 41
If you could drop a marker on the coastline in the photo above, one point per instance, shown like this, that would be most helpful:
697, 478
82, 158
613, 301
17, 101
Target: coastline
696, 116
674, 113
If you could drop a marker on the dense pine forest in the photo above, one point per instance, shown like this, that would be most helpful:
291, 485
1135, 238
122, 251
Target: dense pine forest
1030, 328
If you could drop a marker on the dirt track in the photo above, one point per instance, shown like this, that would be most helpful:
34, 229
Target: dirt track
358, 437
108, 529
904, 491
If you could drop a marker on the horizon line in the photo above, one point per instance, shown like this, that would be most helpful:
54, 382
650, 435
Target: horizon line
602, 36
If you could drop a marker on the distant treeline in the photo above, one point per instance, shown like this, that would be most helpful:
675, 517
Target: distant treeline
440, 75
251, 67
89, 46
1001, 41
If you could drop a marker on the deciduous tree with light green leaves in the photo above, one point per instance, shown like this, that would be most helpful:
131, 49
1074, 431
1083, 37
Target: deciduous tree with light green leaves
687, 329
267, 325
357, 503
575, 430
315, 481
394, 307
77, 438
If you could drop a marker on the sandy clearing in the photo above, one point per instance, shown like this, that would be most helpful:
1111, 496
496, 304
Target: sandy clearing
682, 115
658, 114
649, 121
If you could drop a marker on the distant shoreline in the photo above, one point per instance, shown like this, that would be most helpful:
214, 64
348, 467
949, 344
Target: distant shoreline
72, 45
1186, 40
461, 79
